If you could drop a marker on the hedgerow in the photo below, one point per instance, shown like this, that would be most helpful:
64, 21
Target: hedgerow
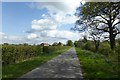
17, 53
50, 49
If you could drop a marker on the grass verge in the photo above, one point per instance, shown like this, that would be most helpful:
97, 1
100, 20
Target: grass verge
14, 71
97, 66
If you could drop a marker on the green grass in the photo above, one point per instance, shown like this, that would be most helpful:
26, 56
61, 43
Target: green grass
18, 69
97, 66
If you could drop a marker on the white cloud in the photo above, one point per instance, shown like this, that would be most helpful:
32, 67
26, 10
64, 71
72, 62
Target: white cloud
70, 19
32, 36
49, 36
1, 33
59, 13
65, 6
43, 24
11, 39
52, 22
64, 34
19, 39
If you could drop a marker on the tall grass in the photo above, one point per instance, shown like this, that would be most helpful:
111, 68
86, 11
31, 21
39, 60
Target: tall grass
97, 65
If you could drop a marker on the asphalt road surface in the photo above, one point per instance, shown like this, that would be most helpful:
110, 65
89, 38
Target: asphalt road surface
66, 65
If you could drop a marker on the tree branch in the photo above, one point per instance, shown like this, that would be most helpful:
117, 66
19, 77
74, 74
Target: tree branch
101, 21
103, 18
102, 29
117, 33
116, 24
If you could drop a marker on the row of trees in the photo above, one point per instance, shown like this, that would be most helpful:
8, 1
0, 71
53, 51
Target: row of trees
68, 43
99, 18
103, 48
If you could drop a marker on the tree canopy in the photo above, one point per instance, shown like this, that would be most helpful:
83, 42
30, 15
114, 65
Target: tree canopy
105, 14
69, 43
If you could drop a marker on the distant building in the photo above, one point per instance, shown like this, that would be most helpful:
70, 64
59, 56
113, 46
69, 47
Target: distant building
44, 44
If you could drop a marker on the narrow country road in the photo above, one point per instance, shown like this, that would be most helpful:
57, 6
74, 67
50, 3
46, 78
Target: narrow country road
66, 65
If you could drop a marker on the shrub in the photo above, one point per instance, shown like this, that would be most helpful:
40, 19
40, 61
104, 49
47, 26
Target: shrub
79, 44
50, 49
104, 48
16, 53
117, 52
117, 49
87, 45
46, 49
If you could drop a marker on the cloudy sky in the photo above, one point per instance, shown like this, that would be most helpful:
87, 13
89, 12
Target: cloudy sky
37, 22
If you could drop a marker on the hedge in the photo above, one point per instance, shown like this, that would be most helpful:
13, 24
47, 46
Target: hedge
50, 49
16, 53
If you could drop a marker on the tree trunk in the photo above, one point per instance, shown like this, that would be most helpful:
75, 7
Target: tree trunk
112, 36
112, 40
96, 45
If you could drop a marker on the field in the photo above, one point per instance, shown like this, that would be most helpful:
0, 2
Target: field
96, 65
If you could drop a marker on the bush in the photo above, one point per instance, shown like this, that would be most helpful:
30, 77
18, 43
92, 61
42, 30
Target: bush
50, 49
87, 45
117, 49
16, 53
117, 52
104, 48
78, 44
46, 49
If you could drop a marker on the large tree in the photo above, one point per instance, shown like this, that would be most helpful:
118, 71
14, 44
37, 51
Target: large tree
106, 14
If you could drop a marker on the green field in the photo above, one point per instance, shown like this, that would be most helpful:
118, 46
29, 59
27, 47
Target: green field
96, 65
